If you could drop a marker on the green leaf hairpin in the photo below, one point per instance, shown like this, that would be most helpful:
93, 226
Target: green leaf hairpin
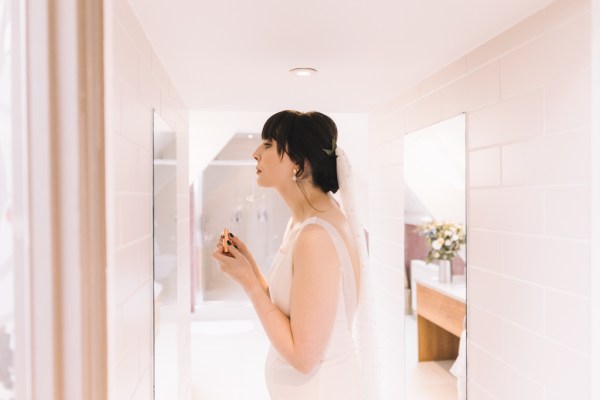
331, 152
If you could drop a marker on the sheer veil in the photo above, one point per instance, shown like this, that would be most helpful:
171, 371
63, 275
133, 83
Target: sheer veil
365, 326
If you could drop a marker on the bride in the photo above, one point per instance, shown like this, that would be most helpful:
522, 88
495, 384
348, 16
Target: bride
307, 306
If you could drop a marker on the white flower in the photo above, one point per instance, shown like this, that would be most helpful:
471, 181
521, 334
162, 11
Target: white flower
437, 244
448, 242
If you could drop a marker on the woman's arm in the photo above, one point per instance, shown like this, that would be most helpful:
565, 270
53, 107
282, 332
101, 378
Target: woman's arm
303, 337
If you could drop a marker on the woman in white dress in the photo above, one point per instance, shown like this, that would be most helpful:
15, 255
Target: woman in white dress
307, 305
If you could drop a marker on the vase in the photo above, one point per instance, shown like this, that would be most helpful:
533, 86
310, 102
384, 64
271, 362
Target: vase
445, 271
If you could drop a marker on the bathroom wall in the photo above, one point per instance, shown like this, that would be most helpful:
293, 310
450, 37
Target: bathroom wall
526, 93
136, 83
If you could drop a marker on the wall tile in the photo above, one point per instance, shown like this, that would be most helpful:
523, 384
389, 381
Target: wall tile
159, 72
558, 53
389, 229
135, 212
566, 372
136, 120
516, 118
390, 278
409, 96
485, 167
144, 388
484, 290
124, 274
508, 40
483, 327
116, 106
509, 209
126, 377
523, 304
530, 362
567, 102
556, 159
149, 88
126, 151
384, 252
424, 112
386, 178
145, 169
568, 211
479, 88
390, 303
476, 392
568, 320
390, 204
388, 128
484, 250
557, 263
387, 154
559, 11
129, 21
126, 59
449, 73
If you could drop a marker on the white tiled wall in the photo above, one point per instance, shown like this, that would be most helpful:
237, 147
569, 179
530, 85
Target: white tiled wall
136, 85
526, 93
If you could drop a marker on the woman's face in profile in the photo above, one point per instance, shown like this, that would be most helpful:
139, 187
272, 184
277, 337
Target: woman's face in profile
272, 170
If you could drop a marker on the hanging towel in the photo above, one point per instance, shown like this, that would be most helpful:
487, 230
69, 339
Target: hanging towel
459, 368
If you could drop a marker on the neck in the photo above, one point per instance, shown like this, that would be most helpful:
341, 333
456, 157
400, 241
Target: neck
300, 203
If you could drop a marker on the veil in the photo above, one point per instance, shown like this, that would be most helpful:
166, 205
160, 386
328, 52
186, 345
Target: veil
365, 326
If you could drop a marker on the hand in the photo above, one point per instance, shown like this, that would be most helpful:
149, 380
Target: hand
241, 246
235, 264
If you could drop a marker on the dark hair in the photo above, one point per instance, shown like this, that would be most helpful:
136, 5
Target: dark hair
303, 136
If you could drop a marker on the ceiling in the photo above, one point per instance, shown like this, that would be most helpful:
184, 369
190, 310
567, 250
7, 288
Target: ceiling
236, 55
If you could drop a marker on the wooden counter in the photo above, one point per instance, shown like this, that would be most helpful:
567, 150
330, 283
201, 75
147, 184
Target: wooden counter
440, 313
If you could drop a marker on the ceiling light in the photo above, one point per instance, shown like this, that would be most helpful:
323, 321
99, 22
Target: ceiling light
303, 71
250, 136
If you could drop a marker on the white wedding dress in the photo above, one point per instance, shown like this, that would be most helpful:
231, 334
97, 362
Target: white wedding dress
337, 375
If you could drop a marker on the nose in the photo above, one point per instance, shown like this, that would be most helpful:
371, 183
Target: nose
256, 153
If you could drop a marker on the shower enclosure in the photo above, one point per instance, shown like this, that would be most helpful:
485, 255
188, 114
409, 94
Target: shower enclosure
230, 198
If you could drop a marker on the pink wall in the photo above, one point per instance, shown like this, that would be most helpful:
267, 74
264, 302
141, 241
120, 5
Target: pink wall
136, 85
526, 93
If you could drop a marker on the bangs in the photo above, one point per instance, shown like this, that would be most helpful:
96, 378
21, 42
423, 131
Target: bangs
279, 127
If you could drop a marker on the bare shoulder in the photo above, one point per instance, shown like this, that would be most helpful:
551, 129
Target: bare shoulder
313, 239
314, 250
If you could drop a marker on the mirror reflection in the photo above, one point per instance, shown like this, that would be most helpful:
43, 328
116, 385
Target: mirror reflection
165, 258
435, 259
231, 198
228, 342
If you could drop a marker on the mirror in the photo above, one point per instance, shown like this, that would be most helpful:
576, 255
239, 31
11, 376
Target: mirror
229, 346
435, 261
164, 215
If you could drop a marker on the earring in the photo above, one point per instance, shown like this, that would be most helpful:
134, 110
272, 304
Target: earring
294, 178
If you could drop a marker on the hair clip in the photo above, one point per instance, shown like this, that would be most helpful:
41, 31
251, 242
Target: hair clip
331, 152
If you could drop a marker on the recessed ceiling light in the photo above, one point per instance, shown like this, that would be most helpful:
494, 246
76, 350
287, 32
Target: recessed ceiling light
250, 136
303, 71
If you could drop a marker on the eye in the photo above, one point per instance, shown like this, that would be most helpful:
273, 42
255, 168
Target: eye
267, 145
